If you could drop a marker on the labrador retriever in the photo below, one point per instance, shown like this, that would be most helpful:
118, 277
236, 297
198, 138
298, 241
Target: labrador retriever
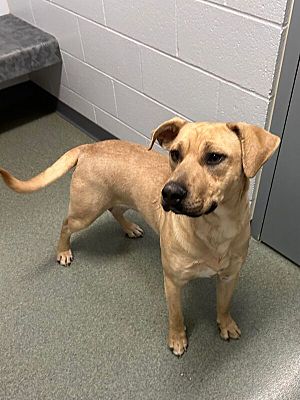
196, 200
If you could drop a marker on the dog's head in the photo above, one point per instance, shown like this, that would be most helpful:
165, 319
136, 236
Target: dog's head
210, 162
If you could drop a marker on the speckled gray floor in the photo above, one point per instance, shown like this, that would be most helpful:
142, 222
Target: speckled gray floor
97, 330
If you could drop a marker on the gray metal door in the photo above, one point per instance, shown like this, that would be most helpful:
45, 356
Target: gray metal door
281, 227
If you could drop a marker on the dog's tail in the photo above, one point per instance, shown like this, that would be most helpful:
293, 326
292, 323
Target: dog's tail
51, 174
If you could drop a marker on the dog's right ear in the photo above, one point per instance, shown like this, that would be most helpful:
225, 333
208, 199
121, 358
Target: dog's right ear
167, 132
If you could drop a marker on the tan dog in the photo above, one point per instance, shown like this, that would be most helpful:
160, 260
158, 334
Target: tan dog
204, 185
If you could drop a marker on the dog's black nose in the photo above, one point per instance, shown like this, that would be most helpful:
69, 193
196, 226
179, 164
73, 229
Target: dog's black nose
173, 193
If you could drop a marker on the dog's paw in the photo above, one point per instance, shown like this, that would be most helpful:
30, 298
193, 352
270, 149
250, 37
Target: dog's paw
178, 343
65, 258
133, 231
229, 329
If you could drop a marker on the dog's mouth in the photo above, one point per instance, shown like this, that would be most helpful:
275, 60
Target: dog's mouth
189, 211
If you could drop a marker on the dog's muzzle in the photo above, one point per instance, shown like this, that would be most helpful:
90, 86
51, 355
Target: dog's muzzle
172, 196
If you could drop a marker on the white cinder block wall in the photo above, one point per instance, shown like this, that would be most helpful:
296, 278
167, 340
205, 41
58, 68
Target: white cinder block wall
3, 7
129, 65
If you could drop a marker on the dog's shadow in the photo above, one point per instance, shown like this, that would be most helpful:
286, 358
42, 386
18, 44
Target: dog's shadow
106, 242
199, 303
105, 239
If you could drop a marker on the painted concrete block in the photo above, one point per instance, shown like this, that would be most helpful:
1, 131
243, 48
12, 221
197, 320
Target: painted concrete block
236, 48
151, 22
181, 87
21, 9
90, 84
138, 111
77, 102
111, 53
60, 23
91, 9
237, 105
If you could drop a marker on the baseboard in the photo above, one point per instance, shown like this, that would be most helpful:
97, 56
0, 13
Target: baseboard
84, 124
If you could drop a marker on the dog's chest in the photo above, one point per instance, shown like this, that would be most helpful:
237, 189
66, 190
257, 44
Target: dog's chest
198, 269
204, 248
209, 253
206, 265
216, 238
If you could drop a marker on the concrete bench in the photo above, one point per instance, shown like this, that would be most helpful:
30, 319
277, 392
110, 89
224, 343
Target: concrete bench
24, 48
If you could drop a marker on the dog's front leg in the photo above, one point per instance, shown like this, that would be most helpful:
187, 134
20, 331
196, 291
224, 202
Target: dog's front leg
225, 287
177, 340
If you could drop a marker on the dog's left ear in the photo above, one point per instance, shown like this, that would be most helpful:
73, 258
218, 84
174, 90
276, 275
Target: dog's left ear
167, 132
257, 145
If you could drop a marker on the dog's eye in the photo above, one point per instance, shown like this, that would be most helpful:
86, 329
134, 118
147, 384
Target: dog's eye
175, 156
214, 158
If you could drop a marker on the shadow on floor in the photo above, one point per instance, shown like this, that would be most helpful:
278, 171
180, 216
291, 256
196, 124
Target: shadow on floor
22, 104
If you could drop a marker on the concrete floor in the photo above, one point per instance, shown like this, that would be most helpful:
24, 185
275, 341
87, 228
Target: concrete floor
97, 330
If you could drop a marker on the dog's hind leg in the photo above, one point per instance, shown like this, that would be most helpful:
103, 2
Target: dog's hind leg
64, 253
71, 224
131, 229
85, 206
